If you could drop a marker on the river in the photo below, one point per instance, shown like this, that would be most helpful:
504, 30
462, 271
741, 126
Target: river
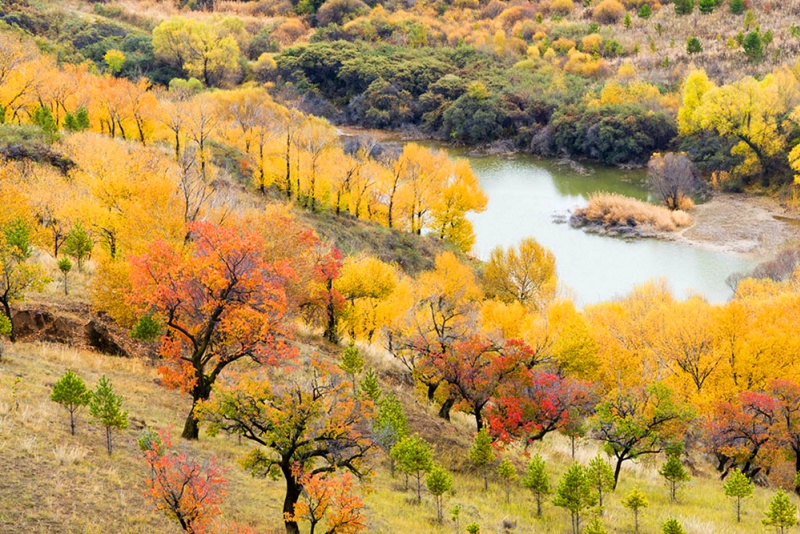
524, 194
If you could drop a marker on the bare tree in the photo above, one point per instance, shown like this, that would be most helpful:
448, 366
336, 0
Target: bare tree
674, 178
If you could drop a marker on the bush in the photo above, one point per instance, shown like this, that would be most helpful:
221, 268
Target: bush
608, 12
693, 46
561, 7
613, 210
340, 11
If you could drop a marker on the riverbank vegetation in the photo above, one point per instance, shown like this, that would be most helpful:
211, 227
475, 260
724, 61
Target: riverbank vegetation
616, 212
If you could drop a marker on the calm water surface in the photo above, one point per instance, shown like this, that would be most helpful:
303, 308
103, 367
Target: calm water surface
525, 192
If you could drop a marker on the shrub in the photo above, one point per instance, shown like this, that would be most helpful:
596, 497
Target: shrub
684, 7
737, 7
561, 7
706, 6
614, 210
608, 12
645, 11
753, 45
693, 46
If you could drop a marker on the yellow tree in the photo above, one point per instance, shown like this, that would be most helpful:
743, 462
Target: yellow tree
368, 285
460, 194
526, 274
316, 139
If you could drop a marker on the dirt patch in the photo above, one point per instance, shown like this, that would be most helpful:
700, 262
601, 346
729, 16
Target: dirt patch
73, 324
746, 224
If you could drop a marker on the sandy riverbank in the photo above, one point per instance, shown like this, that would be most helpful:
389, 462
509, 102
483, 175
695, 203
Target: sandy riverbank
746, 224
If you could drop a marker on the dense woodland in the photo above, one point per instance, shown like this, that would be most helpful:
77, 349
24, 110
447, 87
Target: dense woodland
170, 166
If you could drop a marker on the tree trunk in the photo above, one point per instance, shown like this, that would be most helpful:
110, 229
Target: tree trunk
447, 405
108, 439
293, 490
617, 470
72, 421
572, 443
538, 505
431, 390
738, 509
331, 333
419, 487
478, 417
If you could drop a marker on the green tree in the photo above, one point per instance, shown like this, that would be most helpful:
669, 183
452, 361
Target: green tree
740, 487
595, 527
753, 46
390, 425
17, 276
414, 457
627, 21
65, 266
71, 392
352, 364
675, 475
601, 477
693, 46
635, 501
78, 244
475, 528
749, 20
370, 388
737, 7
508, 475
672, 526
537, 481
43, 118
575, 493
645, 11
781, 514
105, 407
77, 122
684, 7
481, 454
706, 6
439, 482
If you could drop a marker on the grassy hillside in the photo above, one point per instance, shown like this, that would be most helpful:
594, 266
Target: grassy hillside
54, 482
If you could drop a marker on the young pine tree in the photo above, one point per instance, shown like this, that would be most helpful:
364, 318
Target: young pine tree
439, 482
781, 514
414, 457
65, 266
370, 388
635, 501
78, 245
627, 21
675, 475
601, 477
575, 494
105, 407
482, 455
508, 475
595, 527
537, 481
737, 7
739, 487
352, 364
672, 526
390, 425
645, 11
70, 391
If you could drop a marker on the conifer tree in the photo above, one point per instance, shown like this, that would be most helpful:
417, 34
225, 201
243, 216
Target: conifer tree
740, 487
601, 477
508, 475
65, 266
675, 475
781, 514
105, 407
71, 392
595, 527
370, 388
352, 364
575, 494
390, 425
537, 481
414, 457
635, 501
672, 526
482, 455
439, 482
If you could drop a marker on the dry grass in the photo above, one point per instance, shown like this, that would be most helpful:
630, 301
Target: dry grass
54, 482
614, 210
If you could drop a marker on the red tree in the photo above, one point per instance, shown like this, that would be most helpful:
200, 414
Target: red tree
743, 434
183, 489
475, 369
220, 301
543, 402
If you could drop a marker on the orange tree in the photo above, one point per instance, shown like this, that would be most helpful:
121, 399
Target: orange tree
303, 427
188, 491
220, 302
